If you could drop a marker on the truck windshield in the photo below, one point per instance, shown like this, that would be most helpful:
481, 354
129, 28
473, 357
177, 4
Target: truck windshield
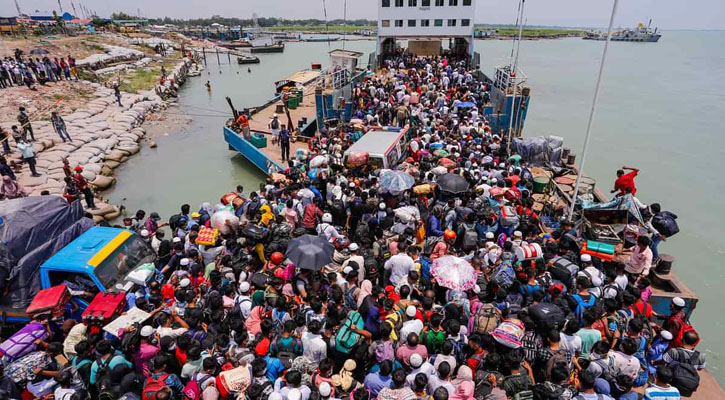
123, 260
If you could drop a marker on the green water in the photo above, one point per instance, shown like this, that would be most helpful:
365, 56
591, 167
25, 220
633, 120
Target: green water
659, 110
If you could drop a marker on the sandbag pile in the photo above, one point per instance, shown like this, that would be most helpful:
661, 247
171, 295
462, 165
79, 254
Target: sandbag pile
112, 54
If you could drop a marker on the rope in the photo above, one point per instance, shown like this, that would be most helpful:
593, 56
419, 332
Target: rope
344, 33
593, 110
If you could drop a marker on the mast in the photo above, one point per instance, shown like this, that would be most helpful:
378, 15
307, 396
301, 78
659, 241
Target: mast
515, 66
17, 7
592, 111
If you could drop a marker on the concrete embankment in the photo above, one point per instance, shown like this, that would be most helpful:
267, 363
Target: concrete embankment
104, 136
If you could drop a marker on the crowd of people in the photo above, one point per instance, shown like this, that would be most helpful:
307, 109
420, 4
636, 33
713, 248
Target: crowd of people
374, 322
28, 70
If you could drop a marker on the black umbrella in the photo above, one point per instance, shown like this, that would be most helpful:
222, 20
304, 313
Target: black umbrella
310, 252
452, 183
39, 51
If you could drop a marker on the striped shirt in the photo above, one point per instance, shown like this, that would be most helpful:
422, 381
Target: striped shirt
655, 392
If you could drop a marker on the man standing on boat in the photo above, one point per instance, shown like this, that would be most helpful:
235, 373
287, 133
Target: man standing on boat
625, 181
284, 143
243, 122
274, 128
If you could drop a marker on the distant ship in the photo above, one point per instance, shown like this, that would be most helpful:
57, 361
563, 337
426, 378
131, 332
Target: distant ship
641, 34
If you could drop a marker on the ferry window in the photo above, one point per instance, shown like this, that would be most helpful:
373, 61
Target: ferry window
451, 22
411, 23
439, 3
399, 3
425, 3
465, 22
467, 2
412, 3
452, 2
438, 22
424, 22
386, 3
385, 23
398, 23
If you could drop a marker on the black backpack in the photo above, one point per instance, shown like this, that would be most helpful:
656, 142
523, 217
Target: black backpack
177, 221
253, 208
131, 341
685, 376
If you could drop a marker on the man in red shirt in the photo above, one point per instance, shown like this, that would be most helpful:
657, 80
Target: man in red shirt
625, 181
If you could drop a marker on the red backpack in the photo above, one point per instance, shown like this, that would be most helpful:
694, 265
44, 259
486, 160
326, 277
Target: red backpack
192, 390
153, 386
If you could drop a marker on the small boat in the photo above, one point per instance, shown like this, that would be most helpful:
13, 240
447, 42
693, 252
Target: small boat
244, 59
332, 39
298, 80
269, 48
641, 34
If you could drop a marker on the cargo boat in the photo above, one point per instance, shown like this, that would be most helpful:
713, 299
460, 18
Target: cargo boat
269, 48
640, 34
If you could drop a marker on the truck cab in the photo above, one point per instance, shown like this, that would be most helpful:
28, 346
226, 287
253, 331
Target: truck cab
385, 147
98, 260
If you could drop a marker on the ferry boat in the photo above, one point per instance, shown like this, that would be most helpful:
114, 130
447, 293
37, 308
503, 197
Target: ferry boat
640, 34
247, 59
269, 48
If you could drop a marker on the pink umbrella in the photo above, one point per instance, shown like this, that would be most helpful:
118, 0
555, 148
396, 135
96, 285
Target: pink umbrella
454, 273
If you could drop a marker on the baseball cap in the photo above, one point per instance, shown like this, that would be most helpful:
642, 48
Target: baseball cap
147, 331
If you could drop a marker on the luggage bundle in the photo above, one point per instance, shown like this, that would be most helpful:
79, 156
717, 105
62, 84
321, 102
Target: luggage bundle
23, 341
103, 309
207, 236
52, 301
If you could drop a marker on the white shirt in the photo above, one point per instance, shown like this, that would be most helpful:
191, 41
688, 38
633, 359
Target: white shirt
399, 266
426, 369
414, 325
171, 332
571, 344
360, 261
245, 305
314, 348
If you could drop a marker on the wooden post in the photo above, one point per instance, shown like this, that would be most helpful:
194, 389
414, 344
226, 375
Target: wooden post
217, 56
203, 52
229, 57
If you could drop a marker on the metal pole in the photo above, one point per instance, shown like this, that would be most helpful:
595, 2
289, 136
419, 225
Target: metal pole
516, 63
592, 111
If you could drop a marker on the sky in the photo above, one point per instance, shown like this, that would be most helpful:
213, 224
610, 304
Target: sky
666, 14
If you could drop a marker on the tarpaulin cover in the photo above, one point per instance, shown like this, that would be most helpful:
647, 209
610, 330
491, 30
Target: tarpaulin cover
32, 230
540, 150
622, 203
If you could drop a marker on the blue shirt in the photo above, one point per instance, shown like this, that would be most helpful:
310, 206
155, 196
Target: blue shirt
274, 367
375, 383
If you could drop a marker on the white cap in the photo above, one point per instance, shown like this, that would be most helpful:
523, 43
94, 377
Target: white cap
275, 396
347, 270
666, 334
586, 258
185, 282
144, 233
596, 281
147, 331
381, 206
275, 115
416, 360
476, 289
502, 165
518, 234
185, 261
678, 302
410, 311
325, 389
176, 240
294, 394
353, 247
489, 235
244, 287
351, 184
327, 218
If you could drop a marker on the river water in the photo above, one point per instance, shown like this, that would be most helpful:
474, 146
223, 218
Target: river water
659, 110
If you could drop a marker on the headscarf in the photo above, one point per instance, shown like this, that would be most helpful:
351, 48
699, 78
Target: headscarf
366, 288
267, 214
254, 322
12, 189
464, 391
465, 374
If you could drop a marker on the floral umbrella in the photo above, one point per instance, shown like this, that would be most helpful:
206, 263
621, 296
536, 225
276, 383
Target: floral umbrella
454, 273
396, 182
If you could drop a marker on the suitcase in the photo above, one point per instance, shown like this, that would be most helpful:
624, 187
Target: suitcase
600, 247
23, 341
52, 301
104, 308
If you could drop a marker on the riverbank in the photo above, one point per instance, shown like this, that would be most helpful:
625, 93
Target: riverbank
104, 134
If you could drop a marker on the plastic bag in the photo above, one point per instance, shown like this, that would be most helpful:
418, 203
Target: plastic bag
220, 218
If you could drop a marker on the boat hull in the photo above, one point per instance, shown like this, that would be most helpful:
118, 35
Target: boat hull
268, 49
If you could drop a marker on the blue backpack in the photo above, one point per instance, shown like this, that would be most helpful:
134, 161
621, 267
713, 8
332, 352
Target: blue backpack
346, 339
582, 306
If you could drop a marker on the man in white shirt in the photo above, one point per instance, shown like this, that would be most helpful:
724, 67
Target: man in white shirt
243, 300
358, 259
413, 325
399, 265
416, 362
314, 348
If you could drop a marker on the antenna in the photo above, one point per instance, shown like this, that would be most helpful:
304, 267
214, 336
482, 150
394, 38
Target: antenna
17, 7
